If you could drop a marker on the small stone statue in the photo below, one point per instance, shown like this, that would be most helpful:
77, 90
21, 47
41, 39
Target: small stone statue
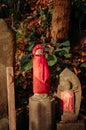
69, 93
41, 74
40, 105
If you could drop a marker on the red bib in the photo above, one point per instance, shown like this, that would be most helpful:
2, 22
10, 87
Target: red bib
67, 101
41, 74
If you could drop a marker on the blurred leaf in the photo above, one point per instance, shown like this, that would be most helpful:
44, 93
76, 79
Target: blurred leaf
68, 55
41, 12
83, 64
58, 49
66, 44
30, 47
18, 34
66, 49
52, 59
28, 39
24, 59
63, 49
61, 53
26, 66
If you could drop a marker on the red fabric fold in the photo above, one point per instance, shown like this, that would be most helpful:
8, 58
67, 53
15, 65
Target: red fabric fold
41, 74
67, 101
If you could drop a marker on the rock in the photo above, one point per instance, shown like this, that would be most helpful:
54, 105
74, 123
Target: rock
79, 125
41, 113
69, 94
6, 60
4, 124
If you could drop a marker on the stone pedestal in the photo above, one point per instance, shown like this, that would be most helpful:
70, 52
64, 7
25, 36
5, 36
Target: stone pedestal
4, 124
41, 116
79, 125
6, 60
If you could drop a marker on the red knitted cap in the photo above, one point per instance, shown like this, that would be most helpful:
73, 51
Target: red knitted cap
38, 46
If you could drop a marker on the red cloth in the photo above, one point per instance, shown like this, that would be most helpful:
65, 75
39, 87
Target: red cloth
41, 74
67, 101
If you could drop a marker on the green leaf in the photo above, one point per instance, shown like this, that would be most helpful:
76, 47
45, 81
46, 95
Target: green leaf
18, 34
58, 49
61, 53
24, 60
30, 47
66, 44
68, 55
66, 49
83, 64
28, 39
41, 12
26, 66
52, 59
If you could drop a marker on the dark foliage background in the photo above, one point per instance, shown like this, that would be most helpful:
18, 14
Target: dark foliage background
31, 22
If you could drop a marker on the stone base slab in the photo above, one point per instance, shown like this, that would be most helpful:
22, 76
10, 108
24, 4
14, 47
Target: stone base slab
79, 125
4, 124
40, 113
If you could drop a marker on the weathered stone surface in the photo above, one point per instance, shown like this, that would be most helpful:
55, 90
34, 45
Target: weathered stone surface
6, 45
4, 124
41, 116
6, 60
69, 94
79, 125
3, 92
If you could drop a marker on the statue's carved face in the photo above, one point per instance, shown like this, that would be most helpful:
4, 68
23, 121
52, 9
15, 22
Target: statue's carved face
39, 52
65, 84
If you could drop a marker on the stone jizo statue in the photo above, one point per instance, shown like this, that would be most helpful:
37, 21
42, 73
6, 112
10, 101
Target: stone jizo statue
41, 74
69, 93
40, 105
